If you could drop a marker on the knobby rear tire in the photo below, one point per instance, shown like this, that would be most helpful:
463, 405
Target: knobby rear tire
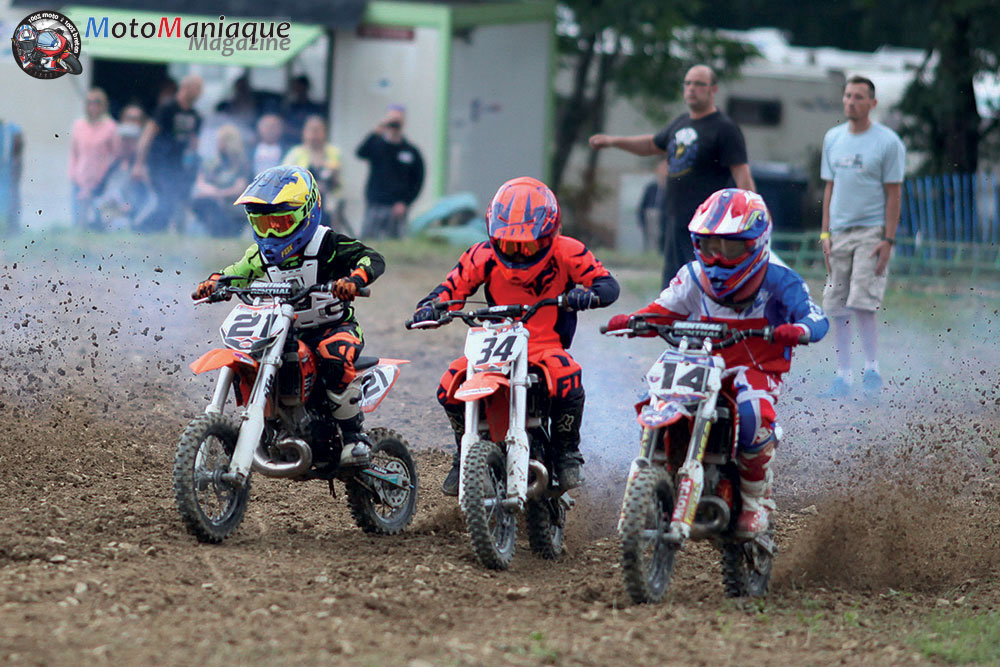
740, 576
647, 562
493, 530
204, 452
390, 451
546, 522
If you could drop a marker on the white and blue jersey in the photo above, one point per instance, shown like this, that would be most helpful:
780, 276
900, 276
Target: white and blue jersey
783, 298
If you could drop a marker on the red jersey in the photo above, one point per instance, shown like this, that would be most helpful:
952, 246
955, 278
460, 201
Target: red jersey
569, 264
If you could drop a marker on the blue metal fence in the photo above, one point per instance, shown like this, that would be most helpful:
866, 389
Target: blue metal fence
951, 208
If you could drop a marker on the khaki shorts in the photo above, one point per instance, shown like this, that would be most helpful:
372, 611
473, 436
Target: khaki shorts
852, 283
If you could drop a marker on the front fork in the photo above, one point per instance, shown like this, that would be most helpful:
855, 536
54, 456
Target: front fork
690, 476
253, 416
517, 447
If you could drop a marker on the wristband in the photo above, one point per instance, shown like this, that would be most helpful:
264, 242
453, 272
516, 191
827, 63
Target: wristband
888, 240
824, 236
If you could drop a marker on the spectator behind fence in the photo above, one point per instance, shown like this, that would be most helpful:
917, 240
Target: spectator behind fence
651, 208
268, 151
707, 153
123, 201
394, 179
862, 164
93, 147
323, 160
220, 182
296, 109
11, 164
167, 153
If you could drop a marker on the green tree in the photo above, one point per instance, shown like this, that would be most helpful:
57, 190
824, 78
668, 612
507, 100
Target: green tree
639, 49
961, 39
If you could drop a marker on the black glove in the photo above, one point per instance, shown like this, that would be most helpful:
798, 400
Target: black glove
425, 313
580, 298
346, 289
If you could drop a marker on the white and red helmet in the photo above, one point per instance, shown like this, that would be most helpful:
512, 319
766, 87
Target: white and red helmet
731, 232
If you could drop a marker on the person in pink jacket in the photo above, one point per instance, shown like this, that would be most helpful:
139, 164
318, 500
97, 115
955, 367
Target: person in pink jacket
93, 147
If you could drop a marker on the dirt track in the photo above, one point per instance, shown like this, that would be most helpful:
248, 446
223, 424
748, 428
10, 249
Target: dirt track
95, 565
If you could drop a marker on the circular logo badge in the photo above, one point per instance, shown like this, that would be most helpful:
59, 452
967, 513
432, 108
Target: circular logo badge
46, 45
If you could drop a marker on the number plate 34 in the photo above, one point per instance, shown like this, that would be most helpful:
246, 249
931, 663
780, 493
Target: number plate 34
494, 348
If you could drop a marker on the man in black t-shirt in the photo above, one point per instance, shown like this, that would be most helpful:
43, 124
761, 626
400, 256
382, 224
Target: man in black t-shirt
395, 178
167, 152
706, 152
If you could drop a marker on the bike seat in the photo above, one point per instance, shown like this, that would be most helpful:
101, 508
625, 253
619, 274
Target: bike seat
362, 363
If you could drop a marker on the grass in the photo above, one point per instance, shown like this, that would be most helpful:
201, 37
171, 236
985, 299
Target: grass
961, 639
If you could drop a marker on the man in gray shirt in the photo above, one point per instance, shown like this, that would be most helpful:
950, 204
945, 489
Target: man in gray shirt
862, 164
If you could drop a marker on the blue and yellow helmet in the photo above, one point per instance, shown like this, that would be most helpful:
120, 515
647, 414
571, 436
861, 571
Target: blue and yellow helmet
284, 207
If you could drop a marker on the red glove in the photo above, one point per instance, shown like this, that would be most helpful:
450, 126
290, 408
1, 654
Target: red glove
787, 334
206, 287
618, 322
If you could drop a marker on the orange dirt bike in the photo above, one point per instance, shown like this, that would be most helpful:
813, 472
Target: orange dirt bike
685, 484
271, 373
506, 459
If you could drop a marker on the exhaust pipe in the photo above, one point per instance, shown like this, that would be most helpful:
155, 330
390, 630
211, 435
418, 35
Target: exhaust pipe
541, 484
268, 467
714, 513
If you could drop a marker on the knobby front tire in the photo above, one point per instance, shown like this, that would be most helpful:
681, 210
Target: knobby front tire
211, 508
647, 560
493, 529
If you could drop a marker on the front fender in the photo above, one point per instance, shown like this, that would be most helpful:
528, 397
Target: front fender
220, 358
480, 386
662, 413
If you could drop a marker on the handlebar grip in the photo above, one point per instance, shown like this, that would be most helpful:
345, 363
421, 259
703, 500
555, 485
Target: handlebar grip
364, 291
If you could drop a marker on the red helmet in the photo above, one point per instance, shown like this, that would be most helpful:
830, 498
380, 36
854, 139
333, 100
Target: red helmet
523, 222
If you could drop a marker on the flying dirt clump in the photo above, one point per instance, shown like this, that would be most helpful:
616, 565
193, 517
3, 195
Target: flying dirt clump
920, 516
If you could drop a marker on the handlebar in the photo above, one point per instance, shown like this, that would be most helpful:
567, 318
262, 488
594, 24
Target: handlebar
490, 313
674, 333
287, 292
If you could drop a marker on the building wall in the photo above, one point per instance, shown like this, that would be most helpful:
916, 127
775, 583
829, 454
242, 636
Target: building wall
499, 92
370, 74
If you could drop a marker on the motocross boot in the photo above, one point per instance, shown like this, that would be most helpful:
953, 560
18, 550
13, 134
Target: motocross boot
456, 416
344, 408
567, 414
755, 489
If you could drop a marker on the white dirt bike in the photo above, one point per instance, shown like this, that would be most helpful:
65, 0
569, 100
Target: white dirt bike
271, 374
506, 458
685, 484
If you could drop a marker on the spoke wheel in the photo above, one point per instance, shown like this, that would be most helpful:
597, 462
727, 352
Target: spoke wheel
492, 527
378, 506
647, 559
211, 508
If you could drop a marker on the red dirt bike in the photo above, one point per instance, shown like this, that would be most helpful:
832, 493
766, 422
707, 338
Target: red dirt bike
685, 484
271, 374
506, 458
52, 53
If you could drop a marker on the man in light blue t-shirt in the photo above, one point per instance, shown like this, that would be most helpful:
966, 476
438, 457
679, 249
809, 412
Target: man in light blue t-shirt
862, 165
